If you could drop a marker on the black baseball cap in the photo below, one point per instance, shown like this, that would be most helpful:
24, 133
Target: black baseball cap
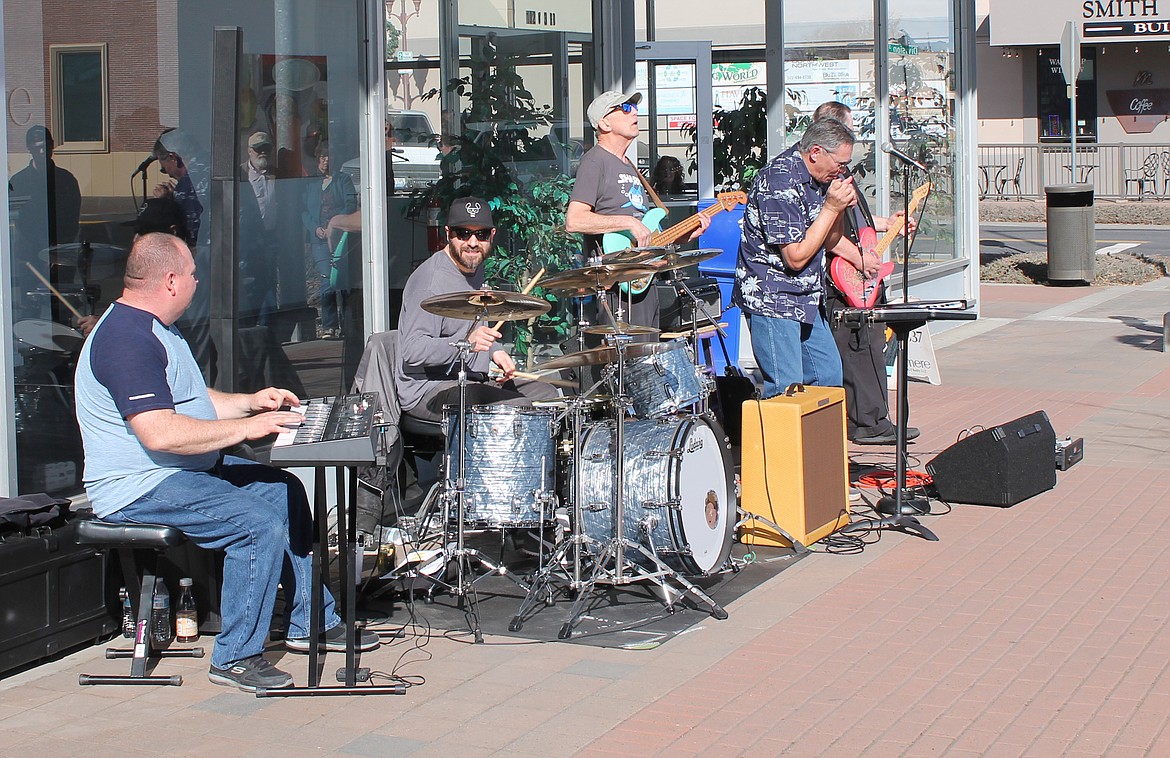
470, 213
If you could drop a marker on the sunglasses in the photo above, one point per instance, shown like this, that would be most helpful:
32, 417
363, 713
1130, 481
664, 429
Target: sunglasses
465, 234
624, 108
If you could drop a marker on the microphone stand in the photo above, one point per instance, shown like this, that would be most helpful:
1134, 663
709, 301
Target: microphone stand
901, 507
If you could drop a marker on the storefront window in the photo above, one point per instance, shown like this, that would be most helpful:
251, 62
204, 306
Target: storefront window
93, 126
921, 76
1052, 102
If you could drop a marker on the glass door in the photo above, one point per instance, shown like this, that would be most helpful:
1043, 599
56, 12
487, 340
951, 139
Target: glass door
675, 81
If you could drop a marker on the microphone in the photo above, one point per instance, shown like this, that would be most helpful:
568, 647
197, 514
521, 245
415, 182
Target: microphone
142, 166
890, 149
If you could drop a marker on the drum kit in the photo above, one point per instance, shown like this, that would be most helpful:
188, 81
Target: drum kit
635, 464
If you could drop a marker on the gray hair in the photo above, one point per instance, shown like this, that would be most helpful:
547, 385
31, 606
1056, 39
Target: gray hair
830, 134
832, 109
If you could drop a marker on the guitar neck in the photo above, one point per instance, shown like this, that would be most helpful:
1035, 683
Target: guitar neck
888, 238
684, 227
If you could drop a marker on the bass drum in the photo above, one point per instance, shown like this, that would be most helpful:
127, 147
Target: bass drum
678, 485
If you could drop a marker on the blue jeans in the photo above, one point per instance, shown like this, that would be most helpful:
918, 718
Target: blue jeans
790, 352
259, 516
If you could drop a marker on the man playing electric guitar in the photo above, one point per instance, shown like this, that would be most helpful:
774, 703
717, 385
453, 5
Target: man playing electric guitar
608, 194
862, 347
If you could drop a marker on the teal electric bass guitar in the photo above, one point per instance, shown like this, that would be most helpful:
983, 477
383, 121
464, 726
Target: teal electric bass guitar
613, 242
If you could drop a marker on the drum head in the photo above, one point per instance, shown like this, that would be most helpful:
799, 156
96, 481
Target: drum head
47, 335
706, 493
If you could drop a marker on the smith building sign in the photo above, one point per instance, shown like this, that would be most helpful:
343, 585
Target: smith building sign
1040, 22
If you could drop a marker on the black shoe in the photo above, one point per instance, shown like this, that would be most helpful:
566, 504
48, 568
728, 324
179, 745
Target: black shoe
251, 674
885, 438
335, 641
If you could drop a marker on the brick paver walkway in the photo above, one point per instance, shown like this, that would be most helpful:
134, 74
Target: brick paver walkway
1035, 630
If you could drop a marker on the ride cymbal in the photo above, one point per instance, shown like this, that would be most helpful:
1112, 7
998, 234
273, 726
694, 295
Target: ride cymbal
490, 305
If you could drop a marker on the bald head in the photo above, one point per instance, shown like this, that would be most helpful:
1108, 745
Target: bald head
152, 257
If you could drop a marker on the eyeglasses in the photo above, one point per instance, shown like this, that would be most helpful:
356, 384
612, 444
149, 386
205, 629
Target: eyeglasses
839, 164
483, 235
624, 108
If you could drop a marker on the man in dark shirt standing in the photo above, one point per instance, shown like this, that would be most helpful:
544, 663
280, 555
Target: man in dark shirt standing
794, 213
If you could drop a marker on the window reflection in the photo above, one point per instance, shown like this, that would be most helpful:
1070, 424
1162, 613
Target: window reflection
94, 143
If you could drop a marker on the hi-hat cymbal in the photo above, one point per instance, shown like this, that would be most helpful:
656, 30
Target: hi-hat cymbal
584, 281
621, 327
490, 305
71, 253
600, 355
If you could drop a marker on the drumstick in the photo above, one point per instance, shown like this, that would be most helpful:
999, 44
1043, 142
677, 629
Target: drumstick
528, 288
76, 313
537, 377
702, 331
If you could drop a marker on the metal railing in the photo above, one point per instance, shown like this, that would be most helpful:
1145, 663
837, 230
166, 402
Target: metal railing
1120, 172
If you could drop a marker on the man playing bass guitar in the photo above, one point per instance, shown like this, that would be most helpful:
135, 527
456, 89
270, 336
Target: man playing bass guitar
608, 194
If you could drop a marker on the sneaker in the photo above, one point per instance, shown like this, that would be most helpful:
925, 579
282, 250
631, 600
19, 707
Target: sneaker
251, 674
335, 641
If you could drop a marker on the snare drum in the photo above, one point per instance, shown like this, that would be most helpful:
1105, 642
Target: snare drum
37, 336
509, 461
665, 381
678, 488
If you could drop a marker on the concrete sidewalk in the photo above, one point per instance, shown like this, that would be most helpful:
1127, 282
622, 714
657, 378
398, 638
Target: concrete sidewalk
1035, 630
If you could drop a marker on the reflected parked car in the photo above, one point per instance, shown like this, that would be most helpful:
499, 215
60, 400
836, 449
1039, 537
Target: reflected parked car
416, 152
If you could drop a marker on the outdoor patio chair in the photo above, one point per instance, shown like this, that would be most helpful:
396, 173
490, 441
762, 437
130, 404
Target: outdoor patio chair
1002, 181
1147, 174
1165, 161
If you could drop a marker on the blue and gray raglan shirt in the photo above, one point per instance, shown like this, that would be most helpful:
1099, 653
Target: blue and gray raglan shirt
133, 363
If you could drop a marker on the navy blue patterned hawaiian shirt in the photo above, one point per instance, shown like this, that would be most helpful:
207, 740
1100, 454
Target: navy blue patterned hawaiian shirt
782, 204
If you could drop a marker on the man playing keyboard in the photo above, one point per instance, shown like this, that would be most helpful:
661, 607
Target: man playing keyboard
152, 432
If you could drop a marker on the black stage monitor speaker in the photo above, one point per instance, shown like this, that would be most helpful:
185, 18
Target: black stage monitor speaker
1000, 466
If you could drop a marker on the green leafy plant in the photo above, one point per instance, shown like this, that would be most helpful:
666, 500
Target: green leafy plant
499, 119
740, 141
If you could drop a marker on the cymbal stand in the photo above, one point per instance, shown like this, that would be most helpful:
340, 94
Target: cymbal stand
624, 571
541, 583
461, 554
699, 307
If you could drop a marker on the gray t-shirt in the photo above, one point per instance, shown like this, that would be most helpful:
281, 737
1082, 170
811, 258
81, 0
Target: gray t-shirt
609, 185
425, 353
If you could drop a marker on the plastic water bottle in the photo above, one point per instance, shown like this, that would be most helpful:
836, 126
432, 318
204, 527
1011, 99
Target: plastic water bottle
186, 618
162, 631
127, 613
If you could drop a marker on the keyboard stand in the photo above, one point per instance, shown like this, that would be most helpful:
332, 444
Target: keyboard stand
347, 548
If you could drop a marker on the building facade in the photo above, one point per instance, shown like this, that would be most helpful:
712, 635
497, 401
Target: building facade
409, 98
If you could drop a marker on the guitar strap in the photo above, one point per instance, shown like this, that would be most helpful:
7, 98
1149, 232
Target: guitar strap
649, 190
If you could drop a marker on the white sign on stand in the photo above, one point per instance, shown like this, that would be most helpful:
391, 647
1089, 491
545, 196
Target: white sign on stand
922, 366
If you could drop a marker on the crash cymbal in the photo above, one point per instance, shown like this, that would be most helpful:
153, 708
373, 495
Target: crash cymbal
490, 305
621, 327
600, 355
684, 258
585, 281
634, 255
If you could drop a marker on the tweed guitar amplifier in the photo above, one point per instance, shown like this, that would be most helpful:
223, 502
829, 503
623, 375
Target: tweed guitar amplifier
795, 467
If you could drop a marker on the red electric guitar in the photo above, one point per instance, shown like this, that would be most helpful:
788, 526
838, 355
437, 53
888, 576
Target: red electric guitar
858, 291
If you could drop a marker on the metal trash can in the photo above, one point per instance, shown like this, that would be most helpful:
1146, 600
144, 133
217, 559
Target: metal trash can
1072, 236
